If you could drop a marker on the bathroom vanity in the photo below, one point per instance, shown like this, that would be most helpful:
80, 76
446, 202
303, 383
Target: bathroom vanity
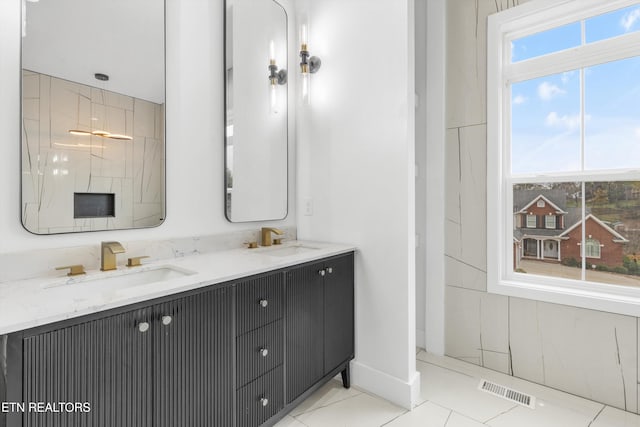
235, 346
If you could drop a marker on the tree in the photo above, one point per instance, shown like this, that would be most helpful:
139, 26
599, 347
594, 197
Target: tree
600, 196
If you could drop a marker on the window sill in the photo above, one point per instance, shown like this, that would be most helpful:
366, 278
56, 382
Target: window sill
594, 296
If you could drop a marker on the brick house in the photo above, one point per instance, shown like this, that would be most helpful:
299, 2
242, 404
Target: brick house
546, 229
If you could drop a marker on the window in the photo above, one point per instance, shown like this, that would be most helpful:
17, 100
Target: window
550, 221
563, 122
592, 248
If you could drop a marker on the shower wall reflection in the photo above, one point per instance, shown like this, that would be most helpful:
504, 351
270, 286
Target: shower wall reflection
56, 164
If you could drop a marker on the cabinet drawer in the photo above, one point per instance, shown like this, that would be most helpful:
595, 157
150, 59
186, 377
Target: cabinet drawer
259, 351
259, 302
261, 399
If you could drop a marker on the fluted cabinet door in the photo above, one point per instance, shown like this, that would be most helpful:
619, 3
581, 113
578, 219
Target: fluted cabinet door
193, 356
105, 363
338, 311
304, 328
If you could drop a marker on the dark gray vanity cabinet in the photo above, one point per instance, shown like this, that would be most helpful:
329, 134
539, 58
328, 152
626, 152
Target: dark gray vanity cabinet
166, 364
239, 354
319, 316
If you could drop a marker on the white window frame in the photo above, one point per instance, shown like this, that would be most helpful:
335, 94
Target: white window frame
592, 243
521, 21
548, 221
533, 223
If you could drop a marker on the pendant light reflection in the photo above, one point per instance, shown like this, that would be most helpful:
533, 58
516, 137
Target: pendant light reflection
101, 133
276, 78
308, 64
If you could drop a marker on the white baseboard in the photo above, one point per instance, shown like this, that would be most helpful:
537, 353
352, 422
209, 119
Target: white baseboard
405, 394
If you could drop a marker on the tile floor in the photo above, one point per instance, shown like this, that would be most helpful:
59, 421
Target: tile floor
450, 397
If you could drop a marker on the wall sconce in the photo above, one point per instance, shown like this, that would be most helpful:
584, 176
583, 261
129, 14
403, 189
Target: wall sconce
276, 77
308, 64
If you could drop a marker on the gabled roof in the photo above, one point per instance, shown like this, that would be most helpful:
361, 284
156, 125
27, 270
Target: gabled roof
523, 198
618, 238
557, 208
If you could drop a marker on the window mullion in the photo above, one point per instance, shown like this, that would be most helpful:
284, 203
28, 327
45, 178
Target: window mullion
614, 49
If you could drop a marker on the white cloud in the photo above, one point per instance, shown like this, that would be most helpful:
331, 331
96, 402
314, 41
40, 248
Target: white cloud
548, 91
519, 99
638, 133
629, 20
566, 76
565, 122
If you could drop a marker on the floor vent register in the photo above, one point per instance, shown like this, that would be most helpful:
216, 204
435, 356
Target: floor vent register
507, 393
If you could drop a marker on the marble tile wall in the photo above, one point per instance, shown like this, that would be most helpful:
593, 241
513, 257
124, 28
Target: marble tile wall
584, 352
55, 164
42, 262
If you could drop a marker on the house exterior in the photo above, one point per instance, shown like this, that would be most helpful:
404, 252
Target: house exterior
546, 229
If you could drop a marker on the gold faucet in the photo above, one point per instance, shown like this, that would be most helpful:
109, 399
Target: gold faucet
266, 235
74, 270
109, 251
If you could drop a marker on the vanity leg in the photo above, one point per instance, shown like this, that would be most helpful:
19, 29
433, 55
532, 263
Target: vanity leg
346, 377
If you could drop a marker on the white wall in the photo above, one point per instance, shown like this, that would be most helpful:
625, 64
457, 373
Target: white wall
194, 133
436, 102
356, 164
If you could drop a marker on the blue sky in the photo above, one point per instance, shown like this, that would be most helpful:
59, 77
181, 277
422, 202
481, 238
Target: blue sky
546, 111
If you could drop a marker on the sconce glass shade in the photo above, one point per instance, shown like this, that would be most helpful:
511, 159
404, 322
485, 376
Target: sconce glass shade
306, 89
304, 35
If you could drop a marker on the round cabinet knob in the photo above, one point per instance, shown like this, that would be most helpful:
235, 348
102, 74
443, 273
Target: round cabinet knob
322, 272
264, 303
264, 401
143, 326
166, 320
329, 270
264, 352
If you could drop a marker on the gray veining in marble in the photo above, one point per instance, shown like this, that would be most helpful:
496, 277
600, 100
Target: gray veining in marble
586, 352
42, 263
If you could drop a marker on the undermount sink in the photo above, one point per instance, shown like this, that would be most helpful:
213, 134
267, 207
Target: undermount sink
126, 279
288, 250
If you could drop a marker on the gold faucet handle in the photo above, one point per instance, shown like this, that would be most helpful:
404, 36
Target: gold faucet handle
135, 261
74, 270
277, 241
251, 245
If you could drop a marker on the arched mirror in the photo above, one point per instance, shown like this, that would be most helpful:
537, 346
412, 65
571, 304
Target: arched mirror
93, 115
256, 86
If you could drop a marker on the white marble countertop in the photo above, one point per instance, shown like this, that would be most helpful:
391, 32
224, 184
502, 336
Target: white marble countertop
34, 302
